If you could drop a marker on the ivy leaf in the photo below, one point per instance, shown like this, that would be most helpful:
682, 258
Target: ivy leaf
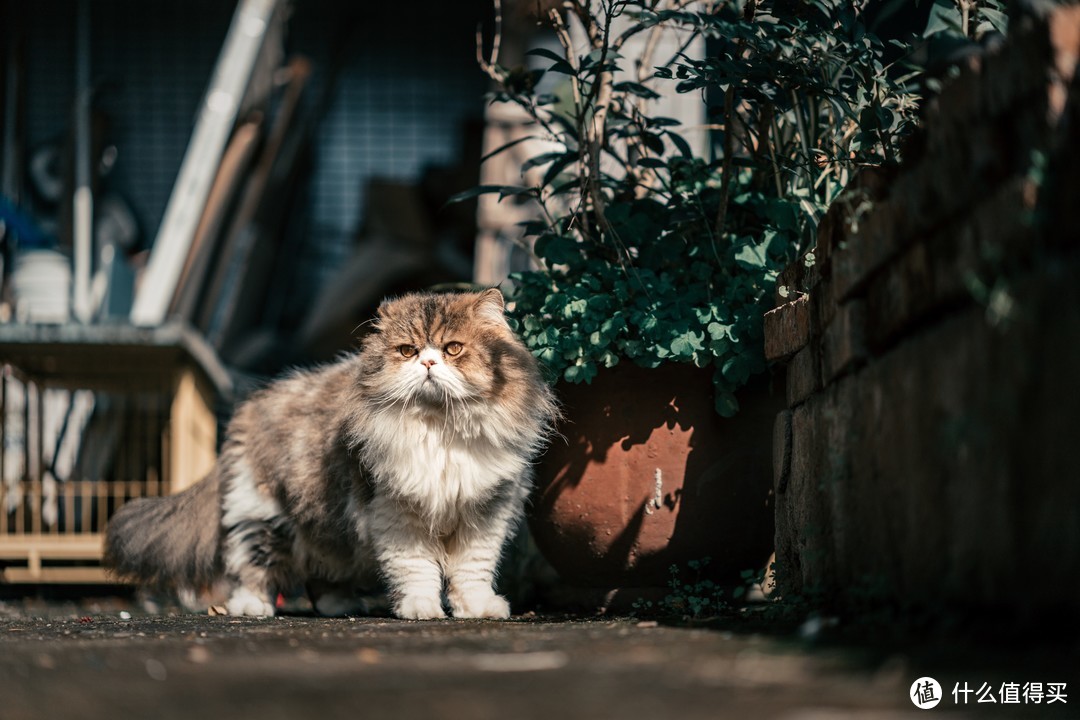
684, 345
575, 308
751, 256
718, 331
556, 249
735, 370
725, 403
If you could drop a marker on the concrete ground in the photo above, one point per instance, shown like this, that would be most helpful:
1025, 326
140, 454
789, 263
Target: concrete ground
99, 661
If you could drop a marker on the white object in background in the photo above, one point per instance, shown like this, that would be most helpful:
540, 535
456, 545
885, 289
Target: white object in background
42, 285
232, 75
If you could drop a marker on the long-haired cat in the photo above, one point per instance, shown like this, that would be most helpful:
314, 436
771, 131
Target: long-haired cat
406, 464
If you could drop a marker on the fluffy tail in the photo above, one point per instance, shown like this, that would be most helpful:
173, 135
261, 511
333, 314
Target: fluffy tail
171, 542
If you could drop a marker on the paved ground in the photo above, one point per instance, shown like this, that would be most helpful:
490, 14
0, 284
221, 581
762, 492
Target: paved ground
88, 662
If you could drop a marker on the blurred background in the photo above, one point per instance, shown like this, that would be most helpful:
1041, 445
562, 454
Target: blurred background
343, 132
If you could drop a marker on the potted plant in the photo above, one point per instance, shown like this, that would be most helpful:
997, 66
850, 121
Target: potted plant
656, 263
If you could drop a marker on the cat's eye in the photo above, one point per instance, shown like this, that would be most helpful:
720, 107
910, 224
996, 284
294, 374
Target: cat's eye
407, 350
454, 348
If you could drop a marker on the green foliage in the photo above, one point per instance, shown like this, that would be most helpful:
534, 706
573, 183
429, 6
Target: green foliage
649, 253
689, 597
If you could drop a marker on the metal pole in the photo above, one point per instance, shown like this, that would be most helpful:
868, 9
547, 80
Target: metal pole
84, 198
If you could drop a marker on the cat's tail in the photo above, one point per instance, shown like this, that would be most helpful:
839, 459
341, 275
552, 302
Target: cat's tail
170, 542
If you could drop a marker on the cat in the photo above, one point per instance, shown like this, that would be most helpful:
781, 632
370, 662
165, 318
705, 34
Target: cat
405, 464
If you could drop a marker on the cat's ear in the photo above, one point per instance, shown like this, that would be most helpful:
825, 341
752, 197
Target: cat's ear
382, 313
491, 306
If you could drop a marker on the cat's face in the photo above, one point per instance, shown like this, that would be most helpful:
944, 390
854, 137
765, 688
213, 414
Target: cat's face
438, 349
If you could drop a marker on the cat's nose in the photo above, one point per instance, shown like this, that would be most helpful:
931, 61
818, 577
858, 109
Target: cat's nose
428, 363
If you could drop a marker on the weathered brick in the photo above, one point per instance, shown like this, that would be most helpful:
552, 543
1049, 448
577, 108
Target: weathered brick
879, 237
788, 329
843, 345
781, 451
823, 304
899, 296
869, 186
803, 375
1015, 72
961, 103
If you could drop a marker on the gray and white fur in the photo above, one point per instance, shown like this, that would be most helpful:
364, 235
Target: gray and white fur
405, 466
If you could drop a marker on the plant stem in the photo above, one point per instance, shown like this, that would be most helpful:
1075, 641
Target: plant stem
729, 131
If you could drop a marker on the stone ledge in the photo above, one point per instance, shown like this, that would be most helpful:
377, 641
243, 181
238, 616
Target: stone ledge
788, 329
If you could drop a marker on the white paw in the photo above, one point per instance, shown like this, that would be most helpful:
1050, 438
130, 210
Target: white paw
419, 607
479, 604
245, 602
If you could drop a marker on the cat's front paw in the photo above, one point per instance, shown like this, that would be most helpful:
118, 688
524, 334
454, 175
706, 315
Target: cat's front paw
480, 604
245, 602
419, 607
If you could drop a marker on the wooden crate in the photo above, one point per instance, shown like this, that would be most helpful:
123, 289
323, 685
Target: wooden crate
136, 419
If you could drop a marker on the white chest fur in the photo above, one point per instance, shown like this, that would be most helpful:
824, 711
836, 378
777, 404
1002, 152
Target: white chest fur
440, 470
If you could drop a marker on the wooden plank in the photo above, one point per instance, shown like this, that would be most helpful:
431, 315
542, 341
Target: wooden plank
223, 195
34, 497
103, 503
228, 85
86, 493
57, 575
247, 251
193, 432
89, 546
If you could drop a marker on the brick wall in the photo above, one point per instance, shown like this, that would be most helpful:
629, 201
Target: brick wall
928, 450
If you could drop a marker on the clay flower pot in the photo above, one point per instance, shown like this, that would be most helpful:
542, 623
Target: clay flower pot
651, 476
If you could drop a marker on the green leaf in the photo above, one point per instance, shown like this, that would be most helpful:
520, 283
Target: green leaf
557, 167
503, 190
736, 370
563, 67
636, 89
680, 144
718, 331
575, 308
725, 403
997, 19
651, 163
545, 53
507, 146
653, 142
751, 256
542, 159
944, 17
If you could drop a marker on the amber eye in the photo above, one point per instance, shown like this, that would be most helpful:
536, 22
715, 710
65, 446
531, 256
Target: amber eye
407, 350
454, 348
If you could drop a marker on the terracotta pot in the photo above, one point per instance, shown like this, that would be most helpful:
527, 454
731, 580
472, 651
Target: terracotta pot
651, 476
